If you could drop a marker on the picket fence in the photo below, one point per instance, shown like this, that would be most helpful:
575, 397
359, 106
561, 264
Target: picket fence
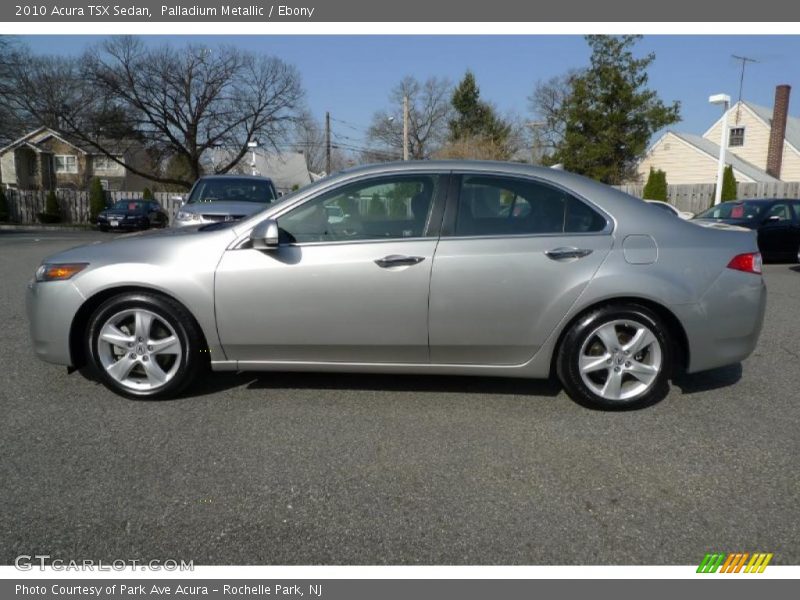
25, 205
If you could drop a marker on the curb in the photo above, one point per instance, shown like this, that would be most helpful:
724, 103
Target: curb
46, 228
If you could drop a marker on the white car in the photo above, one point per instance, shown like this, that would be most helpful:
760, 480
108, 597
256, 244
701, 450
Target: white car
666, 206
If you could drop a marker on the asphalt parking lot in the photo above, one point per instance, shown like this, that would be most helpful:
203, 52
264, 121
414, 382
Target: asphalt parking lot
353, 469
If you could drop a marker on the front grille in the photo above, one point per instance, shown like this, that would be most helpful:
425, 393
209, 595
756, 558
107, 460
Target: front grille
220, 218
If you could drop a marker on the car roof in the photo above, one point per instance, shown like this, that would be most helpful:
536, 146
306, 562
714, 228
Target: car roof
235, 176
765, 200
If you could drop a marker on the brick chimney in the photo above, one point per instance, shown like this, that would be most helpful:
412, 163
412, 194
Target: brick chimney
777, 131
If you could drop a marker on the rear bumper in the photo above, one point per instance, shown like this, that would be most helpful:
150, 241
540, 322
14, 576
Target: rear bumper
51, 308
723, 328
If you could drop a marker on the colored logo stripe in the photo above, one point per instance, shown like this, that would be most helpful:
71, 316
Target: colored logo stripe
734, 561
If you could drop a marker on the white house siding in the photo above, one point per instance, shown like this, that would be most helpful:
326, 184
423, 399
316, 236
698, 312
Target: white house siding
756, 136
8, 170
682, 162
790, 169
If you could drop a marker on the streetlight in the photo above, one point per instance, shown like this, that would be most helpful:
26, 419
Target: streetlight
725, 101
253, 145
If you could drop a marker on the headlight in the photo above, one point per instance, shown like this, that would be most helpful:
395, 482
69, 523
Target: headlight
187, 216
59, 272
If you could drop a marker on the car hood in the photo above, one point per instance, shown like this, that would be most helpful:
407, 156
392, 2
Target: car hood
730, 224
151, 246
225, 208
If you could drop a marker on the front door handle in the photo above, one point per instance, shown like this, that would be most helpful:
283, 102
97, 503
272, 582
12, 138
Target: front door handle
564, 253
398, 260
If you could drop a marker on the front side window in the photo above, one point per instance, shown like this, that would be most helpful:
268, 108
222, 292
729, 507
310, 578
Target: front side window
492, 206
376, 209
66, 164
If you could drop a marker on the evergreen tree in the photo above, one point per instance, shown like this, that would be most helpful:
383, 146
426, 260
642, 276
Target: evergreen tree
609, 114
147, 194
97, 198
475, 118
3, 205
728, 184
52, 213
656, 186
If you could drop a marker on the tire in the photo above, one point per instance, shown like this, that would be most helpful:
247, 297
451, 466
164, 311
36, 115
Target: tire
121, 358
618, 357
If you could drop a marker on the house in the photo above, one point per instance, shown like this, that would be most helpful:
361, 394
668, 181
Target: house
45, 159
288, 170
763, 146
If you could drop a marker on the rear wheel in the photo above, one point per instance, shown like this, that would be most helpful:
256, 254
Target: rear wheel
616, 357
144, 346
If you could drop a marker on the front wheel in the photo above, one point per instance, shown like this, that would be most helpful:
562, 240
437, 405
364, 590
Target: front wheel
144, 346
616, 357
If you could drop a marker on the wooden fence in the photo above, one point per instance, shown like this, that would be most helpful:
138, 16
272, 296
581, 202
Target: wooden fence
24, 206
698, 197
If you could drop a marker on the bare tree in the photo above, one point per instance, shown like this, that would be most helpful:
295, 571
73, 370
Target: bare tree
309, 138
545, 103
13, 120
174, 101
428, 111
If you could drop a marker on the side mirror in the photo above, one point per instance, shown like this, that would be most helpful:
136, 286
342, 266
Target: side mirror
265, 235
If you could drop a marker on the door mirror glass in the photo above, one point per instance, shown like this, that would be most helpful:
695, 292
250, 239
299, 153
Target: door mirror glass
265, 235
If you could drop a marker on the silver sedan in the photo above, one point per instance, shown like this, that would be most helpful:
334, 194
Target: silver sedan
469, 268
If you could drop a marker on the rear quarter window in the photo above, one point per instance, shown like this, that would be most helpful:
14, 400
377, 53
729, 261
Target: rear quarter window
493, 205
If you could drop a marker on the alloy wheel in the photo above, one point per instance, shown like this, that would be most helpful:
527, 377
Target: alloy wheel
620, 360
139, 349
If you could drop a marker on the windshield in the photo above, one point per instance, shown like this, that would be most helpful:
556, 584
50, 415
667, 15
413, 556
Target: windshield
128, 205
232, 189
734, 210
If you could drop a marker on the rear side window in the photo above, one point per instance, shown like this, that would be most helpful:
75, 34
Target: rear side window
491, 206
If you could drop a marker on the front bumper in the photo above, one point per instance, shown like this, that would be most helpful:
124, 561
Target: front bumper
121, 224
723, 328
51, 308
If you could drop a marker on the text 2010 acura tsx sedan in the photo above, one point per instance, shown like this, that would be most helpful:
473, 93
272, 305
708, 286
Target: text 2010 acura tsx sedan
430, 267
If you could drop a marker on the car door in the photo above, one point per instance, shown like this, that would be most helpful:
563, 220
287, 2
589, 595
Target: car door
776, 232
343, 286
515, 253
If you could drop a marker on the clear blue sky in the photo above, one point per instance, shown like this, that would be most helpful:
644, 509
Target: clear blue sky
351, 75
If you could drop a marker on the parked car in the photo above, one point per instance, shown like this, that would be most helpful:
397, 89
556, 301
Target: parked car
216, 198
667, 207
132, 214
575, 279
777, 222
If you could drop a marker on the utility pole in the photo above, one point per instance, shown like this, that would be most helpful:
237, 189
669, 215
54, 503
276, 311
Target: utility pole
744, 60
327, 143
405, 127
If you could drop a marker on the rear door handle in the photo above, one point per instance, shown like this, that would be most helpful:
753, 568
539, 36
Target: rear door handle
563, 253
398, 260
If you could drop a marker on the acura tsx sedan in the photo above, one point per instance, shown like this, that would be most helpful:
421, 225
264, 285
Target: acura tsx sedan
470, 268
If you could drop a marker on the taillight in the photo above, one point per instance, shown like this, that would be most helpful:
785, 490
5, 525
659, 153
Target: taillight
749, 263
